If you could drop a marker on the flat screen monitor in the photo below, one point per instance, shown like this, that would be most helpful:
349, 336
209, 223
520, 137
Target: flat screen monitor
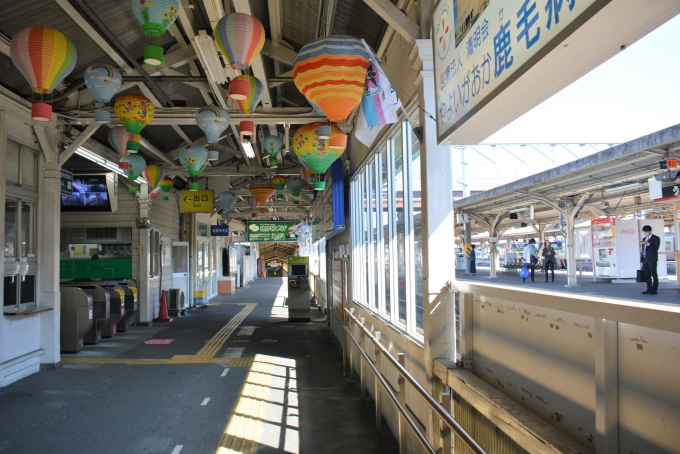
299, 270
90, 193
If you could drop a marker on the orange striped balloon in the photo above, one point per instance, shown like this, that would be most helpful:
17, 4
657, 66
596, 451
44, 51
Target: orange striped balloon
331, 72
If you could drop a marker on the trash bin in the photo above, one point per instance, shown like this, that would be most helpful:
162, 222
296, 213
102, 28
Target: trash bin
76, 318
101, 314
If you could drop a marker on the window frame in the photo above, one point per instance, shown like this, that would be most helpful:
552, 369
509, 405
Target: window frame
154, 253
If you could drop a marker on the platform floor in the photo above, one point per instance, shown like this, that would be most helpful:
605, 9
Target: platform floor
668, 292
235, 378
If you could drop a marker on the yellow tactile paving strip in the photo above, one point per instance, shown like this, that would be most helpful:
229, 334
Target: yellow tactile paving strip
204, 356
243, 428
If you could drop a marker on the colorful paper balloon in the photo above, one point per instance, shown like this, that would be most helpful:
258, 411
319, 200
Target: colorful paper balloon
44, 57
307, 175
279, 181
262, 191
316, 108
166, 185
272, 146
103, 81
135, 167
240, 37
251, 88
315, 151
156, 17
135, 112
227, 199
331, 72
118, 138
295, 185
213, 121
253, 202
153, 174
194, 158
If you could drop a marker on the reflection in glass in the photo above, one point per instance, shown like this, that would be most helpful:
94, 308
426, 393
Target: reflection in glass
27, 229
400, 224
385, 219
10, 228
417, 231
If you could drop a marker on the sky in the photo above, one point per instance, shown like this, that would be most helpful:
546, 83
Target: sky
633, 94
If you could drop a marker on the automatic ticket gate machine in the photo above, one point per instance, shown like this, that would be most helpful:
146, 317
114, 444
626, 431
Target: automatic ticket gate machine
76, 318
128, 295
299, 297
101, 311
117, 307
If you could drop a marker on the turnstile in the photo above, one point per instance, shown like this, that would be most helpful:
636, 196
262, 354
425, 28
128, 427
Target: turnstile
117, 307
76, 318
129, 303
101, 313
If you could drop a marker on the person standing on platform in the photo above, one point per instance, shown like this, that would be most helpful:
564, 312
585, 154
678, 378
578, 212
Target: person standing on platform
649, 259
473, 261
531, 257
548, 260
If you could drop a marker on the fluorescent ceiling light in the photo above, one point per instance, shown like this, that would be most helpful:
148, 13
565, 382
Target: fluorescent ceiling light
112, 166
207, 53
248, 148
623, 187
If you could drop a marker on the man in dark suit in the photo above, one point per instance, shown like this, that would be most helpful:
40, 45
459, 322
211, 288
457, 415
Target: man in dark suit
649, 258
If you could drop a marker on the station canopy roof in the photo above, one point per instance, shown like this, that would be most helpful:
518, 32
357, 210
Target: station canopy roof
611, 183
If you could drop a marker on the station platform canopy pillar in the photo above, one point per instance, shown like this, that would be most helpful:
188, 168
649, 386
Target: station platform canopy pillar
145, 315
438, 231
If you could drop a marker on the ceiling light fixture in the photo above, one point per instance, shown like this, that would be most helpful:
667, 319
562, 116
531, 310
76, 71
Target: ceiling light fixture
622, 187
248, 148
206, 51
112, 166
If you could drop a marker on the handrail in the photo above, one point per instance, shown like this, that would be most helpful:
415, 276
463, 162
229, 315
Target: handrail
445, 416
395, 399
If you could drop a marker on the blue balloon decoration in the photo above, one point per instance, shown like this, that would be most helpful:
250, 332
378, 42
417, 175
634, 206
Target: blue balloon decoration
103, 81
227, 199
213, 121
317, 109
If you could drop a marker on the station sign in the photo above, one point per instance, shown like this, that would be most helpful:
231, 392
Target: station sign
219, 230
196, 201
271, 231
66, 183
481, 48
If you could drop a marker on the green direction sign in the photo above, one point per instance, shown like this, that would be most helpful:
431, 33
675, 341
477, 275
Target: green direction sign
271, 231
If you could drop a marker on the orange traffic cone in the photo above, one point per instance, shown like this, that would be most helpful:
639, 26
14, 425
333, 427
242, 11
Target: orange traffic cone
163, 311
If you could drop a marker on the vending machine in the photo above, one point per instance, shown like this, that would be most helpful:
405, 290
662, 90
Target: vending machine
604, 249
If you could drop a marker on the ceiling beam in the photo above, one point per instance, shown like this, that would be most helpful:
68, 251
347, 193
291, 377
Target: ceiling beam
279, 53
395, 17
242, 171
78, 142
188, 117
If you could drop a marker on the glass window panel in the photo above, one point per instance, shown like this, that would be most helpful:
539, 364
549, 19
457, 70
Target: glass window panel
179, 259
12, 163
28, 290
10, 291
398, 179
27, 229
385, 225
10, 228
375, 243
417, 231
27, 167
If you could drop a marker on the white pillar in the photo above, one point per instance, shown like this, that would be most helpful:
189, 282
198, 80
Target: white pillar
606, 387
3, 191
438, 232
50, 219
146, 310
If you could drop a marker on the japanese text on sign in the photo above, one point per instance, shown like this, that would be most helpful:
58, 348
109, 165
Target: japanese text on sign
196, 201
263, 231
473, 59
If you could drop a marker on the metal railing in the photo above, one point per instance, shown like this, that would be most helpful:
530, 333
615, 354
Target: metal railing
399, 399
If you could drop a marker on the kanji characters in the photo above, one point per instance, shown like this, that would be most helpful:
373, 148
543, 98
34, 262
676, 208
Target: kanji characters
502, 48
525, 23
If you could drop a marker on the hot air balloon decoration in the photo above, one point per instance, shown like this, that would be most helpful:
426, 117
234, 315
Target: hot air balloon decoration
213, 121
272, 145
135, 112
262, 191
315, 151
134, 169
156, 17
118, 138
194, 158
295, 185
44, 57
279, 182
227, 199
306, 171
166, 185
240, 37
153, 175
253, 202
103, 81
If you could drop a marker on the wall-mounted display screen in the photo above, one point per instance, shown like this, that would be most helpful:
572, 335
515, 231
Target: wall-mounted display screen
90, 193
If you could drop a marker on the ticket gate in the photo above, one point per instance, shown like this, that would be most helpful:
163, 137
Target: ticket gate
117, 308
76, 318
129, 304
101, 312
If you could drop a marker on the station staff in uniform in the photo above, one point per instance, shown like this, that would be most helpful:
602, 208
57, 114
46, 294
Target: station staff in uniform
649, 259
